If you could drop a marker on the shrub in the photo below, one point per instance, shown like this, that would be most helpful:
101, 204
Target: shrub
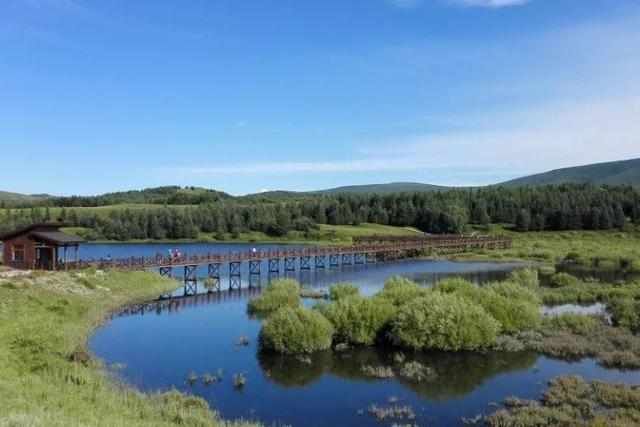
579, 324
526, 277
514, 291
296, 330
399, 290
358, 320
445, 322
456, 285
625, 312
342, 290
514, 306
281, 293
513, 314
560, 280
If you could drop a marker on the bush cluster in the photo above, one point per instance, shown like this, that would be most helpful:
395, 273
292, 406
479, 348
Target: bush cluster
445, 322
342, 290
281, 293
625, 312
560, 280
296, 330
358, 320
398, 290
526, 277
515, 307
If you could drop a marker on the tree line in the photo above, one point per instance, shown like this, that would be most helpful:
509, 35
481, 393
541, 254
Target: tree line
565, 207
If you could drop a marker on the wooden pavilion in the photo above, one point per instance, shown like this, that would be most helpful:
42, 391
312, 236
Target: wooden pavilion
40, 246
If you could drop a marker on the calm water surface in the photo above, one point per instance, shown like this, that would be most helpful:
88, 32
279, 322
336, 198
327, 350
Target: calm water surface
157, 350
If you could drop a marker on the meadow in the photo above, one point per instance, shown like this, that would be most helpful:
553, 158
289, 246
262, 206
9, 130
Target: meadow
47, 378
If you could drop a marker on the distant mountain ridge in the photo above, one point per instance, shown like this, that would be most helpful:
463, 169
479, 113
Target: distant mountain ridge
623, 172
392, 187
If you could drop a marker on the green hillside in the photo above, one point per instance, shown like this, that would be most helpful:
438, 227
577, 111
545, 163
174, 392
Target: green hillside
392, 187
624, 172
17, 197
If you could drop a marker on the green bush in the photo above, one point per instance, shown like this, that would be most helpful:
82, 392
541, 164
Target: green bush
514, 291
625, 312
342, 290
281, 293
560, 280
295, 331
514, 306
358, 320
444, 322
399, 290
514, 314
579, 324
456, 285
526, 277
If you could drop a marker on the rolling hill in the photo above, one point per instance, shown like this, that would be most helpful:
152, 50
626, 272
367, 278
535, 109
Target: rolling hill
392, 187
6, 196
624, 172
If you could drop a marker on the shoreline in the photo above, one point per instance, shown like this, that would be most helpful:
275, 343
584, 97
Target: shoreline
57, 313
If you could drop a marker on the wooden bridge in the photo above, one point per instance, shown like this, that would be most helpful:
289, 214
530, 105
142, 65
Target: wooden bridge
365, 250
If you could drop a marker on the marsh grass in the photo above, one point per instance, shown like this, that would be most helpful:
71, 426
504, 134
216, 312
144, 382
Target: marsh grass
44, 318
572, 401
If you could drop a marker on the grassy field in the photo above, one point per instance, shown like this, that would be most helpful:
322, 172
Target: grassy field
326, 234
601, 249
46, 378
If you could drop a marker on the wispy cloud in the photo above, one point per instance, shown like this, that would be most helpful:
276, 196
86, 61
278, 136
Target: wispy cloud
489, 3
518, 143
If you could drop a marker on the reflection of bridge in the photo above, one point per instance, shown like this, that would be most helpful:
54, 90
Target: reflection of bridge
174, 304
365, 250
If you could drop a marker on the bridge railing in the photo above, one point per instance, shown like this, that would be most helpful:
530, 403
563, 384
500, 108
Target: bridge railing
374, 244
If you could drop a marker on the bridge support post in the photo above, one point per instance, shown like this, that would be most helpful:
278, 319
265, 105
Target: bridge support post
274, 265
190, 279
213, 280
234, 268
213, 270
166, 271
254, 267
305, 262
334, 260
370, 258
347, 259
255, 281
235, 282
320, 261
359, 258
289, 264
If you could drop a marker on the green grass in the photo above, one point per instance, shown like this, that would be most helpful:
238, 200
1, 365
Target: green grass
601, 249
45, 319
325, 234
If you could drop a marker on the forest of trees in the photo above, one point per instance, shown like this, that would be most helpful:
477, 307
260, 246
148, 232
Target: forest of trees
565, 207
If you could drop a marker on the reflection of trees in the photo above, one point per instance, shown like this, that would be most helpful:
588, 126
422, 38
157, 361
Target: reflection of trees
292, 371
458, 373
461, 373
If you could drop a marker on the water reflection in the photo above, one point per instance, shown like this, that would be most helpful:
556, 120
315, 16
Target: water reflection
159, 343
457, 374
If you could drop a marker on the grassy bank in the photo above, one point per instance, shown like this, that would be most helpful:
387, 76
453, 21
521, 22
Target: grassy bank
325, 234
598, 249
46, 376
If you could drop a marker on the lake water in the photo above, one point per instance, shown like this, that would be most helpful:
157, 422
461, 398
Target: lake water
158, 350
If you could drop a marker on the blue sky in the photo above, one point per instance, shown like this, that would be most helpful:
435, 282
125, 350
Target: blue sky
104, 95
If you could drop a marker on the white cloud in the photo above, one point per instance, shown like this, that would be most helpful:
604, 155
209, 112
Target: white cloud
518, 143
490, 3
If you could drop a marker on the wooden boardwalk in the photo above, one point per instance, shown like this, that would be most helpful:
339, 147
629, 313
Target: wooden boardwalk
365, 250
